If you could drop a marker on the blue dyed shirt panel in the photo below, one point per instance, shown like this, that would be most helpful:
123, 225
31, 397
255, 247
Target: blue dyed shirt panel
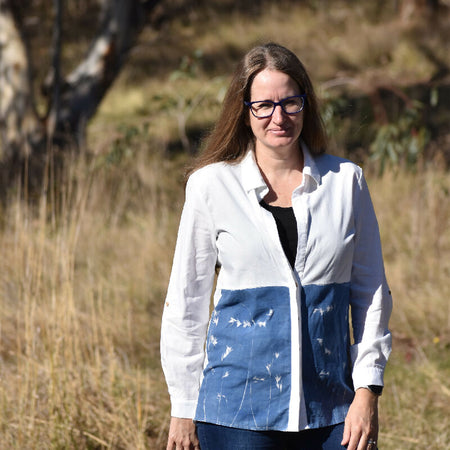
247, 379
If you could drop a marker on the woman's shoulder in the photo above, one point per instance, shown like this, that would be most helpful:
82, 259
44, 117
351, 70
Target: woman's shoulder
217, 170
207, 177
328, 163
205, 173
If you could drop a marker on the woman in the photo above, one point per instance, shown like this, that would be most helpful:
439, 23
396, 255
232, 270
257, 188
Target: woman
294, 235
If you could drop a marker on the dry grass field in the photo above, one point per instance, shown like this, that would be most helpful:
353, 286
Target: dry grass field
85, 266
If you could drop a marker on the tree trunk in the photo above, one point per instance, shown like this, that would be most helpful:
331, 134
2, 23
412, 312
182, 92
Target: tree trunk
24, 136
85, 87
20, 127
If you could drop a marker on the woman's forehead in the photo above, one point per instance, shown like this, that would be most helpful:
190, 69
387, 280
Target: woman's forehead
268, 83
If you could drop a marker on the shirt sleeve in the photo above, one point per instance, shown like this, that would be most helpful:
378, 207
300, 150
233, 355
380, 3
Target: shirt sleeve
370, 297
186, 309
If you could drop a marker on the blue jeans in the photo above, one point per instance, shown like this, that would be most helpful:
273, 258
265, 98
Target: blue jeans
217, 437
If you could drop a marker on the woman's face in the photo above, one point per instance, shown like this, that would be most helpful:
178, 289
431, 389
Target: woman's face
281, 131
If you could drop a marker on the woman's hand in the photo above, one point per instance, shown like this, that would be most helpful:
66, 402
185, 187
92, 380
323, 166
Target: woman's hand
182, 435
361, 423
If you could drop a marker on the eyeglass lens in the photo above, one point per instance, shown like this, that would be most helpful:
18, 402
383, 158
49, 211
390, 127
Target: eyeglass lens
291, 105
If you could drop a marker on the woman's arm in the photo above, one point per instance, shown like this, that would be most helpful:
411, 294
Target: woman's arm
370, 297
186, 309
371, 306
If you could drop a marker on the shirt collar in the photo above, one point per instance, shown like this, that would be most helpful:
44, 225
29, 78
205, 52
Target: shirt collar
252, 178
309, 164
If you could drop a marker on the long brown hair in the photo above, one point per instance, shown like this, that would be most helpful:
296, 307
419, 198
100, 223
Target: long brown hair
232, 134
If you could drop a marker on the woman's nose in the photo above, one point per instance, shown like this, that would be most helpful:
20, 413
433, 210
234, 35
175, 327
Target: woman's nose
278, 115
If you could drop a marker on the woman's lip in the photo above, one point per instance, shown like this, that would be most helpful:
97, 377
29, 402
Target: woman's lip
279, 130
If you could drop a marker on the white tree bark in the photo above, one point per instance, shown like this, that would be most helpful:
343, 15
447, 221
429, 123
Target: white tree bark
22, 132
19, 124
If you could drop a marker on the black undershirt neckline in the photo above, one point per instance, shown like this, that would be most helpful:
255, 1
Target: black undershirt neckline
287, 229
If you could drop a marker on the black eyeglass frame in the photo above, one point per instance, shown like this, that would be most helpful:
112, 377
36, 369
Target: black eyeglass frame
275, 104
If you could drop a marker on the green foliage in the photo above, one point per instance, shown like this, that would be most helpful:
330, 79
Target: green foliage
189, 66
401, 143
123, 147
331, 114
331, 111
347, 122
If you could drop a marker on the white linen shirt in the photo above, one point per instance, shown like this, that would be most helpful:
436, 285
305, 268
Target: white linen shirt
277, 353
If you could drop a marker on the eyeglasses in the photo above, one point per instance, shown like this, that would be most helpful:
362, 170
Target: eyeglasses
265, 108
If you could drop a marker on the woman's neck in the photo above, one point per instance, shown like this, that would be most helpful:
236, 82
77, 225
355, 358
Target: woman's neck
282, 171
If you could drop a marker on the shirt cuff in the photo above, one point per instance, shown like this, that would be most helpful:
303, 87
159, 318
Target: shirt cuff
367, 376
183, 409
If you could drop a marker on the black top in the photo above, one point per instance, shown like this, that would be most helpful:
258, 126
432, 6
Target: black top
287, 229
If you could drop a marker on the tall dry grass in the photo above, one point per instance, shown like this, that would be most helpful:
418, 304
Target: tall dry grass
83, 274
414, 216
